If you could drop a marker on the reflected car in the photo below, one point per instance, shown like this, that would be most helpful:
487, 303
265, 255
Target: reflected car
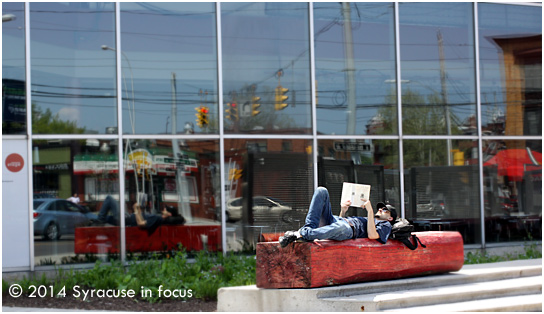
439, 208
435, 208
55, 217
263, 207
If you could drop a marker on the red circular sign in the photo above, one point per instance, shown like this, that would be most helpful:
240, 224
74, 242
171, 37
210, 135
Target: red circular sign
14, 162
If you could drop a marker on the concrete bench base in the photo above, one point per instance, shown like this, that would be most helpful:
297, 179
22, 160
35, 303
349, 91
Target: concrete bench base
328, 263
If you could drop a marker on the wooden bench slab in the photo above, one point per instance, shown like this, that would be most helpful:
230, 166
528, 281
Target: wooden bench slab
327, 263
94, 240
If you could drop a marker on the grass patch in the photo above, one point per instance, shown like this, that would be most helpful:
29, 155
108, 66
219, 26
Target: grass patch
204, 276
530, 252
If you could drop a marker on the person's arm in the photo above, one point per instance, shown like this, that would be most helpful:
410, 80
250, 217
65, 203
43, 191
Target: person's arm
344, 208
140, 221
371, 225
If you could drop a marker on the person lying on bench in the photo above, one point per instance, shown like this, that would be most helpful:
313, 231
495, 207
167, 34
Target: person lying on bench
321, 224
169, 216
109, 214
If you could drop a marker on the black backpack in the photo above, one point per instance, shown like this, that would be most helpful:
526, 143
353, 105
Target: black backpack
402, 231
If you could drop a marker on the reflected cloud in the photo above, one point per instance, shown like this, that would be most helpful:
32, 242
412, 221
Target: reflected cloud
70, 114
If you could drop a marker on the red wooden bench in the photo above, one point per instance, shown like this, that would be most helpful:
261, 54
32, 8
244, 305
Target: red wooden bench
96, 240
326, 263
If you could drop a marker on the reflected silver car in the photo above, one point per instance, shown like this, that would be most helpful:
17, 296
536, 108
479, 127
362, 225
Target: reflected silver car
54, 217
264, 207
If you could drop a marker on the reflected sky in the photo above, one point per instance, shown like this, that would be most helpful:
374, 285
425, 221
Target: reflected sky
372, 31
74, 78
71, 76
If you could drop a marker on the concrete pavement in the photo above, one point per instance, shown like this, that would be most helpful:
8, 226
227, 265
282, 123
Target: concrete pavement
445, 292
474, 287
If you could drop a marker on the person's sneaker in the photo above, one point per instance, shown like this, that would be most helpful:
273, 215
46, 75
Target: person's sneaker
288, 237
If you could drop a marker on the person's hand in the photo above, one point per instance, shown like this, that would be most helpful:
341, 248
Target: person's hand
345, 204
365, 202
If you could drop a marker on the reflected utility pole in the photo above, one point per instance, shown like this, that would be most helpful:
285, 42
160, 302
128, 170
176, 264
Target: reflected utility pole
181, 182
350, 76
444, 92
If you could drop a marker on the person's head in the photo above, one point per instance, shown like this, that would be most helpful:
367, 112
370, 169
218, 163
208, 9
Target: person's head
169, 211
386, 212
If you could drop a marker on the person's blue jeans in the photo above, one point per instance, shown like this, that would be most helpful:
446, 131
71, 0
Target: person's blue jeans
109, 206
321, 224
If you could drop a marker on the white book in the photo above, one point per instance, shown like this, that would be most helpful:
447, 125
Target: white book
355, 192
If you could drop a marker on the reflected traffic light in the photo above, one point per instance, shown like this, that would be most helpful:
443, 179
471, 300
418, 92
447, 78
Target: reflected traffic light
202, 116
232, 112
281, 97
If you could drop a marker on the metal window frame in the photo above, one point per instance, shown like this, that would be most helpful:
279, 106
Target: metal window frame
219, 52
314, 137
28, 87
479, 120
313, 93
399, 110
121, 172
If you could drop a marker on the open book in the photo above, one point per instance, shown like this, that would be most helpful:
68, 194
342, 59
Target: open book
355, 192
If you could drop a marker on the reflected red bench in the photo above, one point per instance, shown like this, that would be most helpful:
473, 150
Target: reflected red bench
270, 237
95, 240
326, 263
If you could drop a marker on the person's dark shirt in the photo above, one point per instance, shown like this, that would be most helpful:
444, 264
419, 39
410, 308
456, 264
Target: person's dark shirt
383, 228
173, 220
152, 222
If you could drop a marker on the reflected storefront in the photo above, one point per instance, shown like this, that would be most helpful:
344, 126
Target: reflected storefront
231, 114
86, 170
273, 177
178, 176
513, 190
441, 196
88, 229
511, 69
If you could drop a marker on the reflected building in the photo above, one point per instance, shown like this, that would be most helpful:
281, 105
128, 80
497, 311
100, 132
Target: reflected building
234, 113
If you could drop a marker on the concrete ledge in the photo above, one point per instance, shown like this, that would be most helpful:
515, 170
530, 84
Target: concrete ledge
522, 303
251, 298
387, 300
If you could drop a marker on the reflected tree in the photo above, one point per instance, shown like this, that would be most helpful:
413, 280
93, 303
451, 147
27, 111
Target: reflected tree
45, 122
420, 115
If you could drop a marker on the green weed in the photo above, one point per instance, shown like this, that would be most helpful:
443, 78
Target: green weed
531, 252
172, 271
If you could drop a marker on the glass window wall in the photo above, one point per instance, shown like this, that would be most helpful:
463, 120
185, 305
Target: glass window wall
169, 71
510, 69
437, 68
372, 162
74, 180
355, 68
275, 182
173, 193
435, 203
169, 67
512, 190
13, 69
73, 80
266, 68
